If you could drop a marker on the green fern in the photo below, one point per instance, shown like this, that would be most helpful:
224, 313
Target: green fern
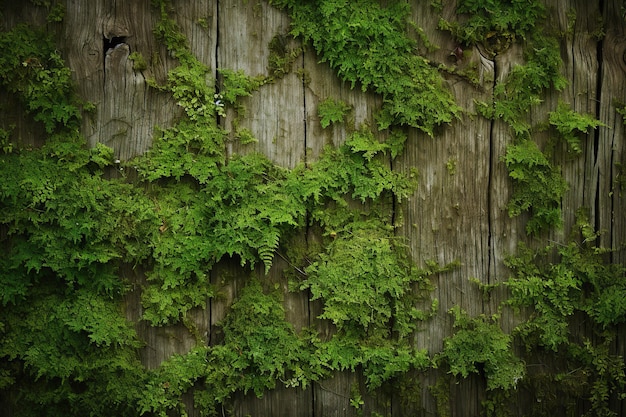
538, 186
480, 343
332, 111
368, 45
570, 124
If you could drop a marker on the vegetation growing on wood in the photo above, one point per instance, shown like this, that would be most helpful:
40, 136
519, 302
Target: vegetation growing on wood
66, 224
480, 345
33, 70
332, 111
571, 124
578, 283
496, 23
525, 84
139, 61
538, 186
368, 45
560, 286
237, 84
69, 231
66, 345
281, 56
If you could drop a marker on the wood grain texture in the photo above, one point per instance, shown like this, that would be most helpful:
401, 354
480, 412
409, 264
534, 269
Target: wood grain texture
459, 211
275, 113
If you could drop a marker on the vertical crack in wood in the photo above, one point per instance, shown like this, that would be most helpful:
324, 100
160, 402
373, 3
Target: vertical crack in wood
216, 73
596, 133
393, 200
304, 113
492, 170
307, 229
213, 276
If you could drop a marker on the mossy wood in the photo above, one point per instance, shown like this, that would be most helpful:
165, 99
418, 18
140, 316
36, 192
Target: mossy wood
312, 208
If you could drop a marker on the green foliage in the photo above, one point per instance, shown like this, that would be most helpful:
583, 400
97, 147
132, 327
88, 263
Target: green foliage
245, 136
332, 111
570, 124
368, 44
386, 361
250, 208
259, 349
68, 231
139, 61
620, 108
188, 149
165, 386
562, 282
538, 186
580, 282
57, 13
477, 344
6, 146
33, 69
165, 304
351, 171
167, 31
237, 84
242, 210
525, 84
365, 280
63, 217
211, 208
281, 56
266, 346
189, 86
68, 345
382, 360
496, 22
363, 141
608, 377
70, 354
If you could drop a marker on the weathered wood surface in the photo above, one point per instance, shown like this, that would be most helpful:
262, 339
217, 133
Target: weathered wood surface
459, 210
274, 114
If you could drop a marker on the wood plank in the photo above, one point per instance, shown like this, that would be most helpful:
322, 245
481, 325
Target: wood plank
127, 110
274, 114
611, 142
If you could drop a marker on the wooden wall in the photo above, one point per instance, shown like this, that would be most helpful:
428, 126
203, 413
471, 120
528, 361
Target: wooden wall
456, 214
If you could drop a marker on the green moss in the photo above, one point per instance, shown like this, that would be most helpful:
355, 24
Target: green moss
281, 56
139, 62
441, 392
558, 283
31, 59
57, 13
451, 166
237, 84
525, 85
